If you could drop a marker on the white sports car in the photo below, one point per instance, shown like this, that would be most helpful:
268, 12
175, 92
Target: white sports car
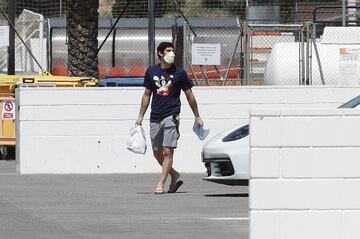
226, 155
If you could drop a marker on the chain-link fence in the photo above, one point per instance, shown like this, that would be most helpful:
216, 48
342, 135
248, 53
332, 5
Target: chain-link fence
31, 31
301, 58
247, 31
222, 32
259, 41
31, 26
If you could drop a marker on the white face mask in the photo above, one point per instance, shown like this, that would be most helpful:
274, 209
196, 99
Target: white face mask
170, 57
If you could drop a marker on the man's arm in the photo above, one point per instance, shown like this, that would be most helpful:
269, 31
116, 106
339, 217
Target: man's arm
193, 105
145, 100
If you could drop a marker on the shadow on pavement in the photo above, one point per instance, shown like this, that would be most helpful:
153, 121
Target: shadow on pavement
241, 195
181, 192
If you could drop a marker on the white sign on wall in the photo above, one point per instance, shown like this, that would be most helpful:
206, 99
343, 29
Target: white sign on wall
4, 36
206, 54
349, 72
8, 110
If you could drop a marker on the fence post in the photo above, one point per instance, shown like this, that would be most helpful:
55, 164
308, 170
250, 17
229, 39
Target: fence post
246, 54
317, 54
343, 13
232, 58
11, 49
41, 36
308, 56
151, 33
302, 56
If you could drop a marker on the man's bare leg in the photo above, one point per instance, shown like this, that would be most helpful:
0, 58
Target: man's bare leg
167, 162
159, 155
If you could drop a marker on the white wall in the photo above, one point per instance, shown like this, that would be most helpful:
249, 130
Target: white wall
84, 130
305, 177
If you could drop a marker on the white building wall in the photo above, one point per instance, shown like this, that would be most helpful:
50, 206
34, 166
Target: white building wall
304, 174
84, 130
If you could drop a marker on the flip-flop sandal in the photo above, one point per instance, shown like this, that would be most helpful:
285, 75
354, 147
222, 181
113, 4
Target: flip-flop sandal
159, 192
178, 185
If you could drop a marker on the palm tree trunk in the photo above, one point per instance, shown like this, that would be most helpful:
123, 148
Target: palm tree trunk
82, 29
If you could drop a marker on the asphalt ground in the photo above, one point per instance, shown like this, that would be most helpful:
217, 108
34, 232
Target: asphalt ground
117, 206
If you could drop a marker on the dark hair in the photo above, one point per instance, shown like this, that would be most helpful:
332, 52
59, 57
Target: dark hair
162, 46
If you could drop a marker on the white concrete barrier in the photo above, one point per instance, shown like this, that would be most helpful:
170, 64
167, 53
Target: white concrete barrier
84, 130
304, 174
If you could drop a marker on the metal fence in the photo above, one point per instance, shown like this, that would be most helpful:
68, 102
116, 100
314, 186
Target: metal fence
247, 30
259, 41
31, 29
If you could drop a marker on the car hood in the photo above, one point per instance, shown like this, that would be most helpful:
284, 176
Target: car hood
221, 135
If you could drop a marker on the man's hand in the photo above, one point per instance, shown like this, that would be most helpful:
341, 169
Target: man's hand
139, 121
198, 121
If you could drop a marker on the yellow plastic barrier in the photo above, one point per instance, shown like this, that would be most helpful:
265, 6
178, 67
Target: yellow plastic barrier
8, 83
7, 111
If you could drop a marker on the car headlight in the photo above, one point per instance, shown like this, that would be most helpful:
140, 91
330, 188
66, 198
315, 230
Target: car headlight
237, 134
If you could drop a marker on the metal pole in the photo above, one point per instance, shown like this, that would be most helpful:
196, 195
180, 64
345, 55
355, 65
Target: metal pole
343, 13
11, 48
302, 54
60, 15
113, 55
319, 63
151, 33
307, 54
317, 55
246, 54
311, 38
41, 36
232, 58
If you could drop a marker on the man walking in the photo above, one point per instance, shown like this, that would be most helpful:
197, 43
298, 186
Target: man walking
164, 82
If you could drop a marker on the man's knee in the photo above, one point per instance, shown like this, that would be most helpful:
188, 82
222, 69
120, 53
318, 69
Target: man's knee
168, 152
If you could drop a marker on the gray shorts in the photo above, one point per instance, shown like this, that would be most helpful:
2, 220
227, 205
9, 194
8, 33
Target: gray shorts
164, 133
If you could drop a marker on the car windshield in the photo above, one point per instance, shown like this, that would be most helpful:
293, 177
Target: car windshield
351, 103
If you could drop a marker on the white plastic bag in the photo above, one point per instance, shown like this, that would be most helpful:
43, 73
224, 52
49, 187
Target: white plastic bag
137, 141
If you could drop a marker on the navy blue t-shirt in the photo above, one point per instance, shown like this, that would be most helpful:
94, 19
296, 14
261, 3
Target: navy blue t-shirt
166, 86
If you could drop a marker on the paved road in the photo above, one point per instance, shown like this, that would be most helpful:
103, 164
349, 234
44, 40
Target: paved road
117, 206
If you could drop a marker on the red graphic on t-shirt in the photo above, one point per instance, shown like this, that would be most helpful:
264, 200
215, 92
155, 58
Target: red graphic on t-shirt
163, 84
